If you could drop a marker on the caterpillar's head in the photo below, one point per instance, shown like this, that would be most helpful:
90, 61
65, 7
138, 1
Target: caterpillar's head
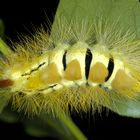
6, 83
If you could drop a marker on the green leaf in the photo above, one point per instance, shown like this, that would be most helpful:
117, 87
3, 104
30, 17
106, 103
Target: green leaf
128, 13
61, 127
4, 99
4, 48
1, 29
3, 103
64, 127
8, 116
34, 129
129, 107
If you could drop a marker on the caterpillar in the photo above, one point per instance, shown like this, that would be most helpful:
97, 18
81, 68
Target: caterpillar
83, 65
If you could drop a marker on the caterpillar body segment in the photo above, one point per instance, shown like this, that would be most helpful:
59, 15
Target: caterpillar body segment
83, 69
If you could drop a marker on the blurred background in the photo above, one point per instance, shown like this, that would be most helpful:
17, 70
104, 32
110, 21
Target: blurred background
20, 17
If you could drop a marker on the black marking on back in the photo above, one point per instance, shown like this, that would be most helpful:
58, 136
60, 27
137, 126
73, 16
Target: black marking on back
52, 86
88, 60
110, 68
64, 60
35, 69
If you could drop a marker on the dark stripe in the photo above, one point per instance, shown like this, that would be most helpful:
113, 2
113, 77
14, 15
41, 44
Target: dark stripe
110, 68
35, 69
64, 60
52, 86
88, 60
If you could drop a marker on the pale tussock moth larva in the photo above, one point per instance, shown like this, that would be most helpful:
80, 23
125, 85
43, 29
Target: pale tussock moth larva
82, 65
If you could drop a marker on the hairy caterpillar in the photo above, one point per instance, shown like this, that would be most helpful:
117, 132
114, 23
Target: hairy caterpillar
82, 65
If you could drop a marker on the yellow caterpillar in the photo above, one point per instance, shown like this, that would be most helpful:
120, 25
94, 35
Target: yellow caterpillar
81, 66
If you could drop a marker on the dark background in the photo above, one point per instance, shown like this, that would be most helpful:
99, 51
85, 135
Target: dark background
19, 18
